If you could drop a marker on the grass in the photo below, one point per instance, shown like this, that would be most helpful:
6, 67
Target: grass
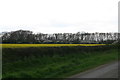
64, 62
44, 45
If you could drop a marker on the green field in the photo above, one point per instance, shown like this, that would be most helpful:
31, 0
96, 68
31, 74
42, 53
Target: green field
54, 62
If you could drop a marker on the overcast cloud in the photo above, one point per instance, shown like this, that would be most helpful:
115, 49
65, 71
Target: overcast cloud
59, 16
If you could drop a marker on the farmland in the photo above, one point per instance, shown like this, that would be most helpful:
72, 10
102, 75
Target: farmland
44, 45
53, 60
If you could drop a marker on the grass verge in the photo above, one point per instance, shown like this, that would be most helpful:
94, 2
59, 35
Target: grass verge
56, 66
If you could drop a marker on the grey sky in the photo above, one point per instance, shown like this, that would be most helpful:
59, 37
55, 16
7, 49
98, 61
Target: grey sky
53, 16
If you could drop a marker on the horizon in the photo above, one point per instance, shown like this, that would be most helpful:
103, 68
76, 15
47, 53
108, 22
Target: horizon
56, 33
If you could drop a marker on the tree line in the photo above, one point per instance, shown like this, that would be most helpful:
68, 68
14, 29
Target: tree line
28, 37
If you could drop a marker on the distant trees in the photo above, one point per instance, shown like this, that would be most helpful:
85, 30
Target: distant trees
25, 36
19, 36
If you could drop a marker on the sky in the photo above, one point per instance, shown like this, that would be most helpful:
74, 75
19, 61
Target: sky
59, 16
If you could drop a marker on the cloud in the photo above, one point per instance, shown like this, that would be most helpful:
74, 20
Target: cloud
51, 16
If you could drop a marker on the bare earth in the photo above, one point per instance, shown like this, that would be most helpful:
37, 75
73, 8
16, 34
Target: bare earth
105, 71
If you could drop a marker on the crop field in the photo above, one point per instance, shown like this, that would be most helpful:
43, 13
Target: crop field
45, 45
53, 60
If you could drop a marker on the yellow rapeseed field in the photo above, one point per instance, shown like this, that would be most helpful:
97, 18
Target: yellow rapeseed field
44, 45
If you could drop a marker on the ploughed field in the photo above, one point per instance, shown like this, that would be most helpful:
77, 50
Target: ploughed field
53, 60
45, 45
